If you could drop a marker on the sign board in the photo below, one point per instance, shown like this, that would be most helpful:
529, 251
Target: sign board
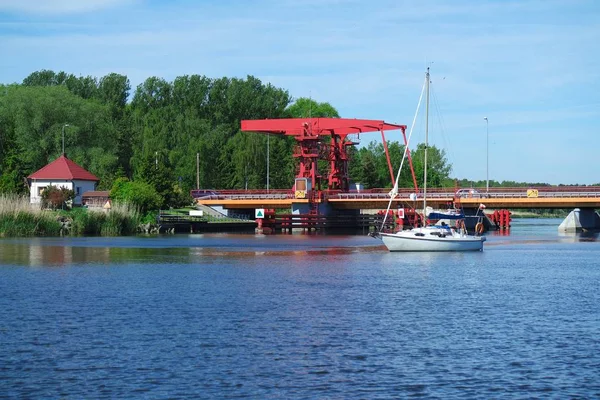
259, 213
300, 194
196, 213
401, 213
532, 193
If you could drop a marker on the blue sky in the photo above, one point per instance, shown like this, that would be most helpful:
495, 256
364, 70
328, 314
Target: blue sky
531, 67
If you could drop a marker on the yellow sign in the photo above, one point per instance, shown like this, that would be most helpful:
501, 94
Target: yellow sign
300, 194
532, 193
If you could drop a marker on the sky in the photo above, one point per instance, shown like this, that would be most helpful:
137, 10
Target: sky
532, 67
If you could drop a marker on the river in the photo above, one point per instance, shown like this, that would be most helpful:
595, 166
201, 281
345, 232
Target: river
297, 316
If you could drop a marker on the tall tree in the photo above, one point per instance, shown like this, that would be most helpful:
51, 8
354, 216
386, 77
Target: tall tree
304, 108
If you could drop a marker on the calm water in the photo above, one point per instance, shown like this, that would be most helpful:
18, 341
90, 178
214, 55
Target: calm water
228, 316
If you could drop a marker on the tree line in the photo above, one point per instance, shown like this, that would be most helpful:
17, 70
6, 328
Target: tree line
152, 136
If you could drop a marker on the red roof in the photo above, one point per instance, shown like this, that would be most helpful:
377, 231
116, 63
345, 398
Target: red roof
63, 168
96, 193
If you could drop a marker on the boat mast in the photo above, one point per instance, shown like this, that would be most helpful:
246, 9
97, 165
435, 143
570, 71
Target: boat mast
426, 145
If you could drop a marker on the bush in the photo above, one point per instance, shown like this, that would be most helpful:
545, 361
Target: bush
54, 197
140, 194
150, 217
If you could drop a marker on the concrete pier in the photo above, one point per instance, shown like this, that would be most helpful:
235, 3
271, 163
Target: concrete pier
580, 220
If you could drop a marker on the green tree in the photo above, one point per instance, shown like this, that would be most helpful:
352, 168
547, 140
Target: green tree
140, 194
368, 166
156, 171
304, 108
438, 168
31, 126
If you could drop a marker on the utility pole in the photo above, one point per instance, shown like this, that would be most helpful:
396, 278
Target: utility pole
487, 157
63, 138
197, 170
268, 148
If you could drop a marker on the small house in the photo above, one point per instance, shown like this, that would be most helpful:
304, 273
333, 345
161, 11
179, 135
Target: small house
96, 199
65, 173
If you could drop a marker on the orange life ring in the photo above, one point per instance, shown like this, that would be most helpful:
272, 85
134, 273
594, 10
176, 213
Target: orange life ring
479, 228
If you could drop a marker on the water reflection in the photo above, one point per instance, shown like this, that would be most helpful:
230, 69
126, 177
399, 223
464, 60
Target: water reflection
39, 255
206, 248
585, 236
39, 252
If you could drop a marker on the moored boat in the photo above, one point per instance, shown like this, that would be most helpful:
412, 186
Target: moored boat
431, 237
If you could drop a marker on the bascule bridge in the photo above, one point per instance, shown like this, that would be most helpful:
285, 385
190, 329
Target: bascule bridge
321, 139
339, 205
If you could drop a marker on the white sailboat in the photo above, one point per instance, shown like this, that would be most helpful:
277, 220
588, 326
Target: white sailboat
431, 237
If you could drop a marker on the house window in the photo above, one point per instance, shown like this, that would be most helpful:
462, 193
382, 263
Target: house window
77, 190
41, 190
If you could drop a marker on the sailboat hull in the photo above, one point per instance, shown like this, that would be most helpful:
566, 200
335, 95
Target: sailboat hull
413, 241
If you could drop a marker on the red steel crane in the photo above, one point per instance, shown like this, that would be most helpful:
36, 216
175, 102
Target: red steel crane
312, 146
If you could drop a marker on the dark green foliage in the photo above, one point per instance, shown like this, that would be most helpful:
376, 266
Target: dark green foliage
31, 125
25, 223
153, 140
85, 222
117, 223
141, 194
303, 108
369, 166
149, 218
119, 220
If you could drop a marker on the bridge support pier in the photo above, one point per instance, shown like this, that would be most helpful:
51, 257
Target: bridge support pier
580, 220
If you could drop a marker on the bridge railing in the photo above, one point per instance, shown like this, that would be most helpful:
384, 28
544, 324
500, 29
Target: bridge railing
404, 193
242, 194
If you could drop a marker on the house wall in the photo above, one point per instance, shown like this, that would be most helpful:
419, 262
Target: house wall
78, 186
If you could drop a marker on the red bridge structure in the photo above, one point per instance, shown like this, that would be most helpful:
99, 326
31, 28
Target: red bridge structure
339, 207
311, 135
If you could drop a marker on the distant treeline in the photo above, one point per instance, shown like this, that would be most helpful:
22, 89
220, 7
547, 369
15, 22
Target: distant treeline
153, 135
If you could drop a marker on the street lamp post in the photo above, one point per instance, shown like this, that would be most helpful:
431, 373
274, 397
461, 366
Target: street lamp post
63, 138
268, 152
487, 156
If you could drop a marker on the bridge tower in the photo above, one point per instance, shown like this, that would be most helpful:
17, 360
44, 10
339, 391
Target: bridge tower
312, 146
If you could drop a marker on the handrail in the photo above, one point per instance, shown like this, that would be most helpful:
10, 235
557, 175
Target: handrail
404, 193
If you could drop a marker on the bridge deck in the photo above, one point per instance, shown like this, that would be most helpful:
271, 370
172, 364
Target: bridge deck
512, 198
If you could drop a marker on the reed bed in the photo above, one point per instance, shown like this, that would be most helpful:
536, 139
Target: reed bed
121, 219
20, 218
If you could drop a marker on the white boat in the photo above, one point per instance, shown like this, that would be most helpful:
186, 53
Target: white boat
433, 237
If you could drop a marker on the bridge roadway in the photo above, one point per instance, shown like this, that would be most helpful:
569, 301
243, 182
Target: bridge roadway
545, 197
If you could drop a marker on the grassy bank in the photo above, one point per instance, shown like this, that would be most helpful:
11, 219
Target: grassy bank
122, 219
19, 218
